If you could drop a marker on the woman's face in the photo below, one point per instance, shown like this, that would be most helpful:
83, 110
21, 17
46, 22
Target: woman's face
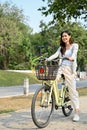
65, 38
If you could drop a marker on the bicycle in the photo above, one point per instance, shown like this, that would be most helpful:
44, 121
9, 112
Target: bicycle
48, 97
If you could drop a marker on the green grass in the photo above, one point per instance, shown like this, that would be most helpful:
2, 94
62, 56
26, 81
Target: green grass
14, 78
6, 111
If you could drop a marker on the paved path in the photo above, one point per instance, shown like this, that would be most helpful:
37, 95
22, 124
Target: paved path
21, 120
16, 90
19, 90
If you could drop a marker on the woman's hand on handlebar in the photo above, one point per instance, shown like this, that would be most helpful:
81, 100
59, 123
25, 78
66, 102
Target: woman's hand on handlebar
43, 60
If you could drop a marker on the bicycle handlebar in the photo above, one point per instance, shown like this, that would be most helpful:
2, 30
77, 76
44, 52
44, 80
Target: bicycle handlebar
43, 60
63, 58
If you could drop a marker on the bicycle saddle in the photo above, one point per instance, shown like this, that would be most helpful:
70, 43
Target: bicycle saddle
62, 75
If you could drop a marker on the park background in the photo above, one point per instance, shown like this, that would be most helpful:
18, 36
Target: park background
30, 29
25, 34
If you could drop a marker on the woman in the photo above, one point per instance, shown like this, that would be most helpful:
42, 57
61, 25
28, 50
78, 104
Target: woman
68, 67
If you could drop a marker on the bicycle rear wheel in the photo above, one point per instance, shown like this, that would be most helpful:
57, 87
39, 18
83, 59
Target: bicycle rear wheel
67, 108
42, 107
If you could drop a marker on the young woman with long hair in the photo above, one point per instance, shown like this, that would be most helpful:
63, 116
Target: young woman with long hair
68, 49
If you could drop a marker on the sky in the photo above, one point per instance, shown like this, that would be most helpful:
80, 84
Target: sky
30, 10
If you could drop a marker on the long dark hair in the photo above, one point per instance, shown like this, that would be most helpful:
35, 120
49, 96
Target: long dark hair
62, 44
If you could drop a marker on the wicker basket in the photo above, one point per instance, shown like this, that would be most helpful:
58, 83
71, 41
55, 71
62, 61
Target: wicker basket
46, 72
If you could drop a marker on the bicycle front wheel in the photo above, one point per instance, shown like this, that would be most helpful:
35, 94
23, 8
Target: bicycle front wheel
42, 106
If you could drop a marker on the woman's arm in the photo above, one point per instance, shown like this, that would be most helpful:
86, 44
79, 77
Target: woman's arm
54, 55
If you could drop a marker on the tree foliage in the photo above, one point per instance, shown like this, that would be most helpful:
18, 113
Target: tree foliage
20, 49
14, 37
65, 10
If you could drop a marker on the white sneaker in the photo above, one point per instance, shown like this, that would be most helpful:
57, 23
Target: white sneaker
76, 118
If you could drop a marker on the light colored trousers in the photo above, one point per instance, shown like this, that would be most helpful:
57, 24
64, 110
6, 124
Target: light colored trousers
71, 83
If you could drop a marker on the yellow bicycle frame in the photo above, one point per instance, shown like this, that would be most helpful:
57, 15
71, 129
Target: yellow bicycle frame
59, 97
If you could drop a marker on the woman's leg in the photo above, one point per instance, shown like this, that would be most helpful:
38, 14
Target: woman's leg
71, 82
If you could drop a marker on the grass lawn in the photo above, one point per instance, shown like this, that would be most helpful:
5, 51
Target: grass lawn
14, 78
14, 103
24, 102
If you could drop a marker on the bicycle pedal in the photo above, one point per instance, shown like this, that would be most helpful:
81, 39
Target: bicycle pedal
45, 106
56, 107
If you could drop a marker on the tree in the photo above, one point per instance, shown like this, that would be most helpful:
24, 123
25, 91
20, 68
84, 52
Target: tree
10, 36
65, 10
14, 37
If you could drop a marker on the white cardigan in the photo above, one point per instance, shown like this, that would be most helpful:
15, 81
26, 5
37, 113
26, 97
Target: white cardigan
71, 52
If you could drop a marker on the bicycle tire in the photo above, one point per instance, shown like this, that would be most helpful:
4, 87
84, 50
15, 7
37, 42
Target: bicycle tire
67, 108
41, 114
